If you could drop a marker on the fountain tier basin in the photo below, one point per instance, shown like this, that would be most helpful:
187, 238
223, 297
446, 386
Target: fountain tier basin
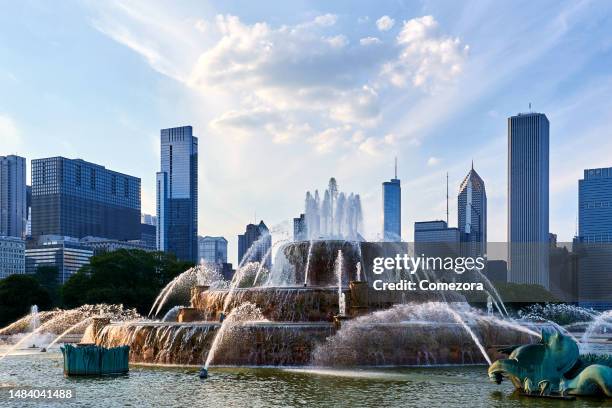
302, 304
298, 344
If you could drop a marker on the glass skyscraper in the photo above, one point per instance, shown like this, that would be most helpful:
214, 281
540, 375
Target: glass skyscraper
595, 238
392, 209
528, 155
13, 209
177, 194
472, 214
75, 198
258, 237
213, 249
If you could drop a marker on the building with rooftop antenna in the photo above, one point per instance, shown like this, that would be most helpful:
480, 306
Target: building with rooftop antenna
472, 214
392, 209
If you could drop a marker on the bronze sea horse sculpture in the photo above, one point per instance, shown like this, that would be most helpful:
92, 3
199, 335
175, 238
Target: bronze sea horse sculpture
554, 366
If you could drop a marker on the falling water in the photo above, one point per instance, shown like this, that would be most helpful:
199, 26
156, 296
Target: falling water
308, 263
341, 298
358, 273
243, 313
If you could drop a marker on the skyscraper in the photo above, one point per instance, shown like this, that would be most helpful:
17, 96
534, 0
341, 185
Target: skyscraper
13, 210
75, 198
212, 249
177, 194
472, 214
528, 151
300, 228
392, 209
255, 242
595, 238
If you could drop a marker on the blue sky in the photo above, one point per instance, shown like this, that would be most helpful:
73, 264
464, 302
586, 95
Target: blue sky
283, 95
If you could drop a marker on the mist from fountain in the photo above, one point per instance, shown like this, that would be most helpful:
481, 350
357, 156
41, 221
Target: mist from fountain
386, 337
35, 332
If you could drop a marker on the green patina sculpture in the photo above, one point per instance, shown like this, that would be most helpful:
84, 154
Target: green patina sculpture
89, 359
555, 366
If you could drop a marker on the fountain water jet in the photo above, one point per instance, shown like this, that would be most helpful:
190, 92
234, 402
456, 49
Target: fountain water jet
245, 312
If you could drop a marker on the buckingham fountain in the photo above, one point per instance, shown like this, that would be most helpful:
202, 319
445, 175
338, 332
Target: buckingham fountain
314, 306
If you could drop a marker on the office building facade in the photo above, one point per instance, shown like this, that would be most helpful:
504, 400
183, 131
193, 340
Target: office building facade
435, 238
392, 209
76, 198
13, 197
472, 215
12, 256
528, 195
212, 249
300, 228
594, 242
255, 244
177, 194
66, 254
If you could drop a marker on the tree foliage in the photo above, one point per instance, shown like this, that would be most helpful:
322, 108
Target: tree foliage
17, 294
131, 277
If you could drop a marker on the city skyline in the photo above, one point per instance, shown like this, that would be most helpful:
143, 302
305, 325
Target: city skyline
461, 116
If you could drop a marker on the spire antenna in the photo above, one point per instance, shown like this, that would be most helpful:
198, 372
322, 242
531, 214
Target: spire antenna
396, 167
447, 198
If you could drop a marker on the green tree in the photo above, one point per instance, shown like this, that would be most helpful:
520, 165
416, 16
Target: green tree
46, 276
17, 294
131, 277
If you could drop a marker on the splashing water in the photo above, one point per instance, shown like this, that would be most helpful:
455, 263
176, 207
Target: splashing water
203, 274
604, 320
69, 330
40, 329
246, 312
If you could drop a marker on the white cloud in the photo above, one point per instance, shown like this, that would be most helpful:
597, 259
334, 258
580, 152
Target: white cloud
337, 41
385, 23
201, 25
369, 41
427, 58
433, 161
326, 20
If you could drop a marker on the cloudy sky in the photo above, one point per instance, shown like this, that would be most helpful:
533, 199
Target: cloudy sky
283, 95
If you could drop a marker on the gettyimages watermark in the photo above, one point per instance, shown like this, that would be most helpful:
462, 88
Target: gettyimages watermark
519, 272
